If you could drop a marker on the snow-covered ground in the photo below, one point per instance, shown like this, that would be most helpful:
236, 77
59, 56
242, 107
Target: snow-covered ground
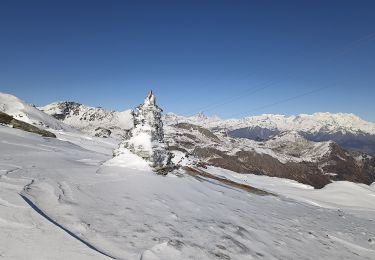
357, 198
24, 233
77, 207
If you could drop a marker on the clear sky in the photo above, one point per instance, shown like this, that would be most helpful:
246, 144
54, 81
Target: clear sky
226, 58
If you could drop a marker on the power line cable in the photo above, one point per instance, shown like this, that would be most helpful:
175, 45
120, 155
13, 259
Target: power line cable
283, 100
340, 52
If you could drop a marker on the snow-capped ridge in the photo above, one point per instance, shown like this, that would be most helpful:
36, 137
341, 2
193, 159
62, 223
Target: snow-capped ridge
317, 123
309, 123
303, 122
92, 120
28, 113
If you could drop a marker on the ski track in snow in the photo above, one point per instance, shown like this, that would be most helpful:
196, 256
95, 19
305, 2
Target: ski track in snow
73, 205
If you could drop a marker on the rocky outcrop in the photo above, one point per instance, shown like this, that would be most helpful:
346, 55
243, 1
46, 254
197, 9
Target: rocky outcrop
102, 132
350, 166
146, 139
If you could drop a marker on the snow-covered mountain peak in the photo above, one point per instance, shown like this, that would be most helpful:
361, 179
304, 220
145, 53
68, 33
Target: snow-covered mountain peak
150, 99
93, 120
60, 107
201, 115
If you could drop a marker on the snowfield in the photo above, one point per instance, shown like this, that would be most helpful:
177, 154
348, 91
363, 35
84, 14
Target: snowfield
65, 198
357, 198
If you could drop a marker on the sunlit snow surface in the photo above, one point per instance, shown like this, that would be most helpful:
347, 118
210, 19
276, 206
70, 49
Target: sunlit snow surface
136, 214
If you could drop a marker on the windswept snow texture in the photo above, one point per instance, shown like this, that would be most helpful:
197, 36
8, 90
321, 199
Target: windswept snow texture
24, 233
356, 198
135, 214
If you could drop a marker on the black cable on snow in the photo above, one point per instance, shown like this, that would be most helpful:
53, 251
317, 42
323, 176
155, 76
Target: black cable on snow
40, 212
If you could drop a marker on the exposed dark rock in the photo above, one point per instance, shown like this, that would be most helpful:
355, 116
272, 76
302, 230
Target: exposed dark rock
5, 118
102, 132
9, 120
263, 164
344, 166
66, 109
202, 130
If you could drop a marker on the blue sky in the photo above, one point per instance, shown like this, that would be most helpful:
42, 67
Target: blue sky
226, 58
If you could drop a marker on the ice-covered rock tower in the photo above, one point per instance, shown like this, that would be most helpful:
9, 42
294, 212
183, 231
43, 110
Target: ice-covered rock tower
146, 139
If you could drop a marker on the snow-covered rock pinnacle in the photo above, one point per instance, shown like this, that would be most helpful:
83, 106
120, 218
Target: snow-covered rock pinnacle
146, 139
150, 99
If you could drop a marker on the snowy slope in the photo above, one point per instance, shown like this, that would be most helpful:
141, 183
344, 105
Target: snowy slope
352, 197
25, 234
28, 113
135, 214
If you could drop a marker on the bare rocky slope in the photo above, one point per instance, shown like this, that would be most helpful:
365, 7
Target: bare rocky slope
287, 155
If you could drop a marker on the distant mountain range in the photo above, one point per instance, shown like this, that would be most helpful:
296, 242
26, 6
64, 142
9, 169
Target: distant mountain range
313, 149
347, 130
